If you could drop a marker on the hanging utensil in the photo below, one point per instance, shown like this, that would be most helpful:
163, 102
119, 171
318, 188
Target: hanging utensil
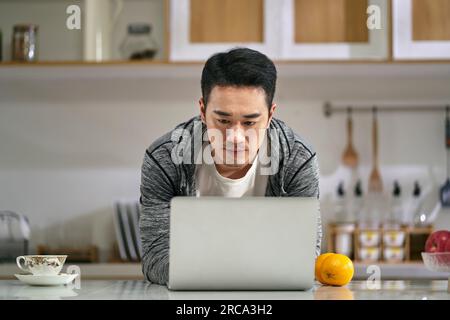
375, 182
445, 189
350, 157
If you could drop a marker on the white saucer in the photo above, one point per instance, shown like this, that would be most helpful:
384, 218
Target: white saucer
50, 280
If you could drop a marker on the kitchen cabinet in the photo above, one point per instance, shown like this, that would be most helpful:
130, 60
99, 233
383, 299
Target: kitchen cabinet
282, 29
285, 30
200, 28
334, 30
421, 29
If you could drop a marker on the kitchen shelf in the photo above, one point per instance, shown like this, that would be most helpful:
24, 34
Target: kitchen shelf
6, 64
411, 248
167, 70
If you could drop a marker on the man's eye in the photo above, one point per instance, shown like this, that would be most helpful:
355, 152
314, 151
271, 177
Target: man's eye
223, 121
249, 123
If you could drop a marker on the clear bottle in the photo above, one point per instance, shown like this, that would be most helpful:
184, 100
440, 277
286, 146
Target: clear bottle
413, 205
364, 214
344, 226
394, 218
372, 211
139, 43
340, 210
357, 204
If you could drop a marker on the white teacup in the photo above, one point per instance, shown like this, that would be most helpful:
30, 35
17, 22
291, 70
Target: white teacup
41, 265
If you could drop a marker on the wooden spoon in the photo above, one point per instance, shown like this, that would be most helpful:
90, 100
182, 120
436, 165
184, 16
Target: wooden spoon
375, 182
349, 156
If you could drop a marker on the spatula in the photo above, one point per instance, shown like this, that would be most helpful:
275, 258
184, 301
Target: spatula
375, 182
349, 156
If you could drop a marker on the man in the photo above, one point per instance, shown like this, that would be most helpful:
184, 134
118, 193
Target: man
234, 148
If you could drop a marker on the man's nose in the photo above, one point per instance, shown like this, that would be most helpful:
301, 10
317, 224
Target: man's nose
236, 135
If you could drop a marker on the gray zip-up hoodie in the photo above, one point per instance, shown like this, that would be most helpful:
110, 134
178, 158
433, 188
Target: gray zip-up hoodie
168, 170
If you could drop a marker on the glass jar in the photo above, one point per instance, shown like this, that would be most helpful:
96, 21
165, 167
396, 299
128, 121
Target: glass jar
139, 43
343, 240
25, 43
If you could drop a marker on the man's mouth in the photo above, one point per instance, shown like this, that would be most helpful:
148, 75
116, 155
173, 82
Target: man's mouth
235, 150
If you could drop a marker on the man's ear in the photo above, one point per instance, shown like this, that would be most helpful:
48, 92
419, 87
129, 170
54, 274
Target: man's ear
201, 103
271, 112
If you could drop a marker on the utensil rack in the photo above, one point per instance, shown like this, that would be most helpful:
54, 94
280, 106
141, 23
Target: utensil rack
329, 109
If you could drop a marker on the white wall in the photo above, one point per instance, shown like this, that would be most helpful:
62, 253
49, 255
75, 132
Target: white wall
71, 145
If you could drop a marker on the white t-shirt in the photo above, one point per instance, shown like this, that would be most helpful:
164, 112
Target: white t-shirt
211, 183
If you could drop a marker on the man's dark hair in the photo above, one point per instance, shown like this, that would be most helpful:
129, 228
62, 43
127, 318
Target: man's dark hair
239, 67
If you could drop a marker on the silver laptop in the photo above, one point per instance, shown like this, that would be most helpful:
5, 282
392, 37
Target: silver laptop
249, 243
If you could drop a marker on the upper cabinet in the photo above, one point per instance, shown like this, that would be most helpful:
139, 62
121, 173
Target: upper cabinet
200, 28
167, 31
283, 29
334, 29
421, 29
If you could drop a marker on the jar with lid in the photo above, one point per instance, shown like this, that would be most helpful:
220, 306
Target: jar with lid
25, 43
139, 43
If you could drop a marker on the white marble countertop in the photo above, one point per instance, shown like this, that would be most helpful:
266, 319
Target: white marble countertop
133, 271
139, 289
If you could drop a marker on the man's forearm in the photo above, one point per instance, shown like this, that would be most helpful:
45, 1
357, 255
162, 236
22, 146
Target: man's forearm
156, 270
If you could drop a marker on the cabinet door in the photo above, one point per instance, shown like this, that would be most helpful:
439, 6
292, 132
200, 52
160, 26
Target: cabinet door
333, 30
421, 29
200, 28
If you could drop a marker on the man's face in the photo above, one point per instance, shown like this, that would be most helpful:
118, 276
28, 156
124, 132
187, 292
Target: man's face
236, 119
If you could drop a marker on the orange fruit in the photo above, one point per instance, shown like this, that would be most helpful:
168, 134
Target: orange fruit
336, 270
318, 266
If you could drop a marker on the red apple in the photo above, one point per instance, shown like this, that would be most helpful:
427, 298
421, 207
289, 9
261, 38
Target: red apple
446, 256
438, 241
447, 246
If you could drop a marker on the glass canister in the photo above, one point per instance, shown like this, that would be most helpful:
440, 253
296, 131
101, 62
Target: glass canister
25, 43
139, 43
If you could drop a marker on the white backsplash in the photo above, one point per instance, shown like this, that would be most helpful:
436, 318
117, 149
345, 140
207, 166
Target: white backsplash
70, 148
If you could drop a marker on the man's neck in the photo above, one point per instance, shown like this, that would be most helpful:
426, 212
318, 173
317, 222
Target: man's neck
232, 172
